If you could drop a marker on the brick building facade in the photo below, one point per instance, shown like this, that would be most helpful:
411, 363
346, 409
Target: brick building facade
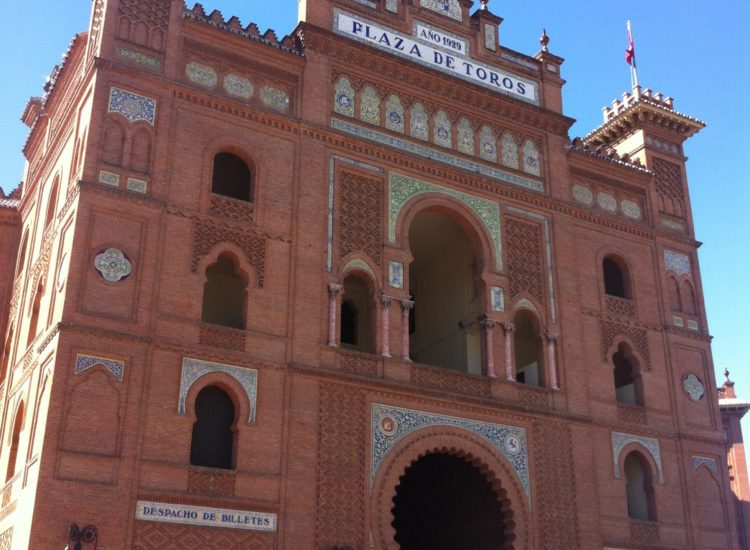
355, 287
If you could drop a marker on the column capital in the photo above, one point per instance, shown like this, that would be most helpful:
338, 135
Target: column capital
487, 323
509, 328
551, 336
406, 305
333, 289
385, 301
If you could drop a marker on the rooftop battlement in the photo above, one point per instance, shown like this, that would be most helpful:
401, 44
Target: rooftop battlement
629, 99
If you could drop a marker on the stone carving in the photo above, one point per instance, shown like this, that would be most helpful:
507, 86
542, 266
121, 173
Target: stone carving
610, 331
114, 367
274, 98
193, 369
583, 194
344, 100
201, 74
606, 202
631, 209
369, 106
238, 86
389, 425
693, 387
525, 264
361, 224
487, 144
396, 274
449, 8
620, 440
709, 463
341, 464
442, 130
403, 188
419, 124
207, 234
510, 150
465, 136
394, 114
113, 265
531, 160
676, 262
497, 298
132, 106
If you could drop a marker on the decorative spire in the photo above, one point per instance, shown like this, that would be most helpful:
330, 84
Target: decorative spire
484, 4
726, 374
544, 40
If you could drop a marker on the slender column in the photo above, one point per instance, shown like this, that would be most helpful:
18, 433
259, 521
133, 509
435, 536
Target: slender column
406, 306
509, 329
552, 370
385, 324
488, 325
333, 292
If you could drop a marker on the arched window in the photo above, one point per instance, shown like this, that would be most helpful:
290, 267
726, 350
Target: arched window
232, 177
5, 357
16, 438
527, 346
628, 384
639, 488
688, 298
212, 444
22, 256
616, 281
674, 294
34, 322
52, 204
356, 315
224, 294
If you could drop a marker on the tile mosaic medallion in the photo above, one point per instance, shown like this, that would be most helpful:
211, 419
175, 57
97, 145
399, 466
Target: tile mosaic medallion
113, 265
676, 262
132, 106
693, 387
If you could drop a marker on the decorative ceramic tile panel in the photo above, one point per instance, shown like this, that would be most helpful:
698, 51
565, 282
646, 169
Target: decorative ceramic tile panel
389, 425
394, 114
497, 298
693, 387
109, 178
238, 86
607, 202
531, 163
442, 130
692, 324
583, 194
132, 106
678, 321
709, 463
114, 367
369, 106
465, 136
419, 124
510, 150
113, 265
201, 74
487, 144
344, 100
396, 274
620, 440
274, 98
193, 369
449, 8
391, 6
436, 155
669, 223
676, 262
139, 58
490, 37
631, 209
139, 186
360, 265
403, 188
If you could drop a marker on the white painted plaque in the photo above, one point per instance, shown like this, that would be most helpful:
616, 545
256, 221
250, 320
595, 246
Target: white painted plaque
183, 514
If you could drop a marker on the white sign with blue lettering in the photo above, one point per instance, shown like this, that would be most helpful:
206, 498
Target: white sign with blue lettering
421, 52
205, 517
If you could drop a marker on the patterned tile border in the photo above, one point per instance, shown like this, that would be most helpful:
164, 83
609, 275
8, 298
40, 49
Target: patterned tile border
389, 425
402, 188
709, 463
435, 155
114, 367
132, 106
193, 369
620, 440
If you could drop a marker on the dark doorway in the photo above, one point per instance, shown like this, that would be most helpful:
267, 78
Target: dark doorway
445, 503
213, 440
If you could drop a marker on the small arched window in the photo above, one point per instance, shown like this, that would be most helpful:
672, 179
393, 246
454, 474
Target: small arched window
34, 322
356, 315
616, 281
212, 443
52, 204
527, 347
5, 357
232, 177
688, 298
22, 256
674, 294
639, 488
627, 378
224, 294
15, 441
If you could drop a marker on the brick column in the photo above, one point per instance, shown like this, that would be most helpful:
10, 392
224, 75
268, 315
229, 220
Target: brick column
509, 329
406, 306
333, 292
551, 362
488, 325
385, 325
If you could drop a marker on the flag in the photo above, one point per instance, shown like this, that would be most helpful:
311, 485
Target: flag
630, 52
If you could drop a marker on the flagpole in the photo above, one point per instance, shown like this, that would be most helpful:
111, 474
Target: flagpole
632, 63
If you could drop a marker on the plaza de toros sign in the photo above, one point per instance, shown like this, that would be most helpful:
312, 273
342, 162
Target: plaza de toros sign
436, 49
205, 517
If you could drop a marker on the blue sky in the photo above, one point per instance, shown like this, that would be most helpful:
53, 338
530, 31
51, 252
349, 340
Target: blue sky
694, 51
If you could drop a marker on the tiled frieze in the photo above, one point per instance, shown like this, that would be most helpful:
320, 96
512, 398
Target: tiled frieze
114, 367
465, 137
274, 98
651, 445
510, 150
369, 106
442, 130
606, 199
238, 86
344, 98
390, 425
394, 114
531, 159
487, 144
201, 74
419, 125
